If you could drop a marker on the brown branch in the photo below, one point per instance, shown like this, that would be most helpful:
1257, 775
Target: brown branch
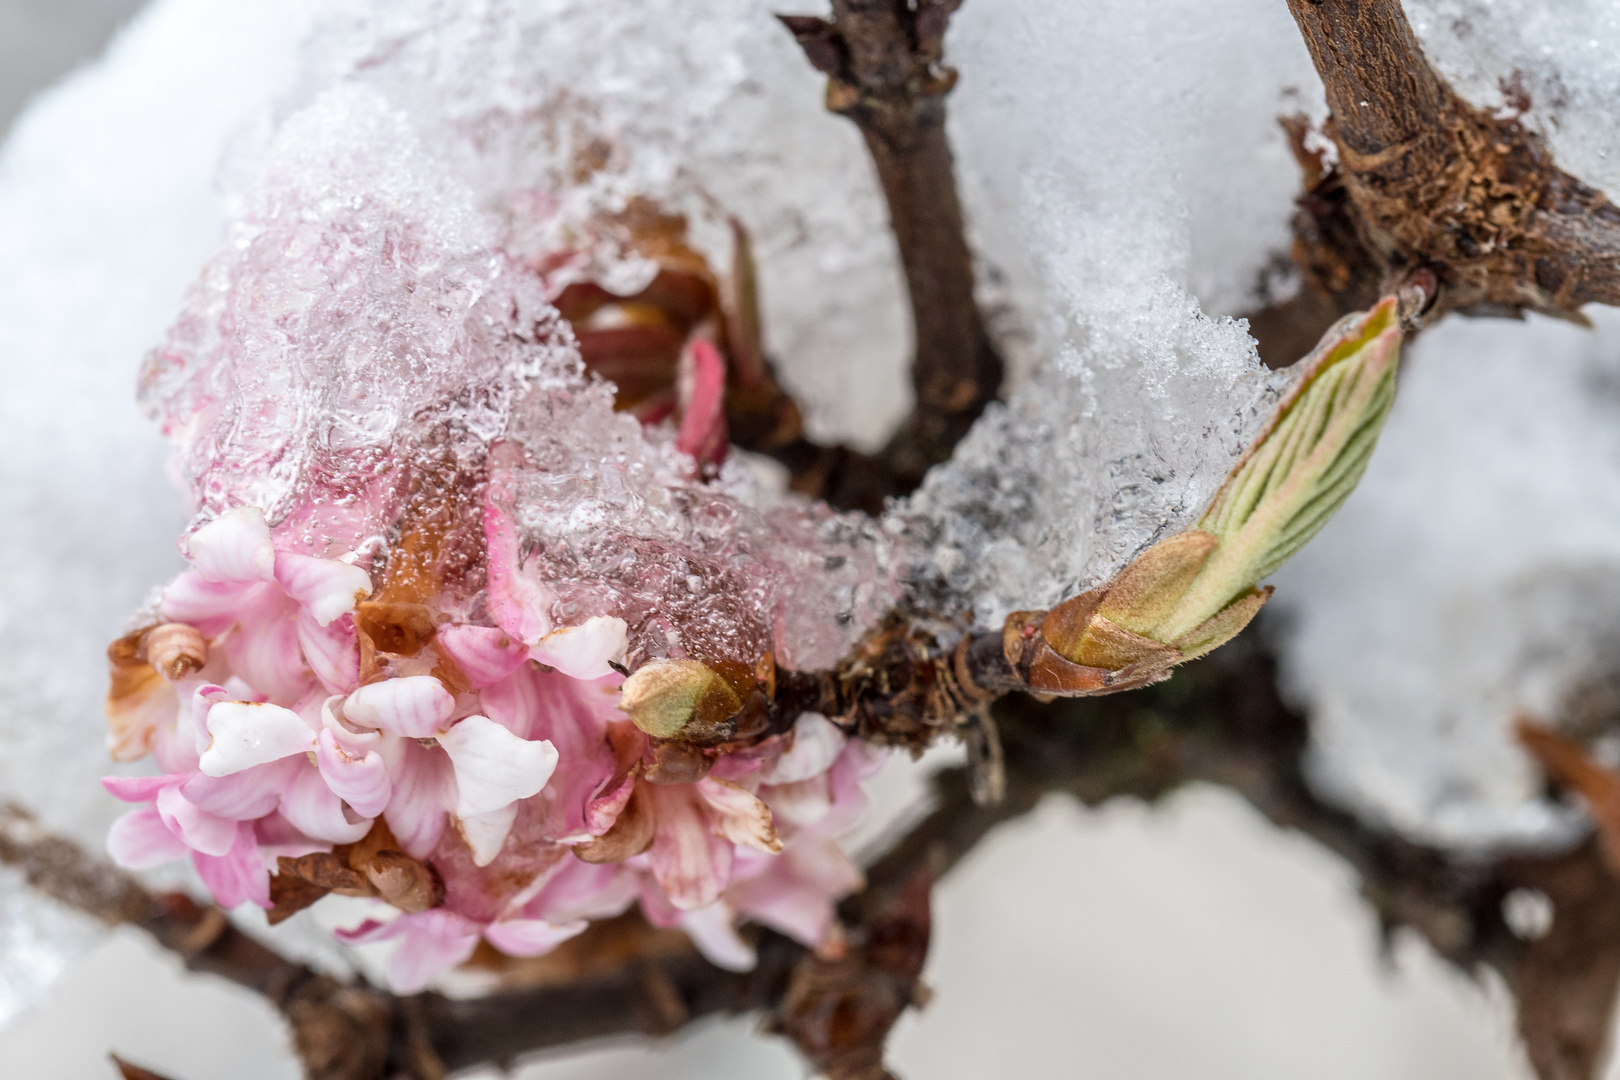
1220, 720
883, 63
1427, 182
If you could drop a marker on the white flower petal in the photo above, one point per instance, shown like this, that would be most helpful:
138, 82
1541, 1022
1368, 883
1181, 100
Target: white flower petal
583, 651
234, 547
326, 588
494, 767
246, 733
416, 706
817, 742
485, 834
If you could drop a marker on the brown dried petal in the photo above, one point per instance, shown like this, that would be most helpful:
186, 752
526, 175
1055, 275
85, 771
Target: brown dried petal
290, 894
630, 835
1567, 762
175, 650
409, 884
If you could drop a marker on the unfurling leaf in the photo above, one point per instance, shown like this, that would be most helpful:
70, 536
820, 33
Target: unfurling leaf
1196, 590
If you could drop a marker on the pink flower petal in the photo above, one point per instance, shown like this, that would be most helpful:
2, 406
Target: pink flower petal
234, 547
140, 840
584, 652
432, 942
485, 654
714, 931
332, 652
264, 650
417, 706
796, 892
242, 796
207, 833
210, 606
361, 781
424, 791
239, 875
493, 766
691, 864
314, 810
802, 804
244, 734
139, 788
602, 811
326, 588
530, 937
702, 385
582, 890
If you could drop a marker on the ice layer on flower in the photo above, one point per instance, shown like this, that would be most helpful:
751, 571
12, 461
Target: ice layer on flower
426, 549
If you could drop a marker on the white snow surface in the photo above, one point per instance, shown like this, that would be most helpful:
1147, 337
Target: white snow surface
1122, 160
1473, 576
1564, 55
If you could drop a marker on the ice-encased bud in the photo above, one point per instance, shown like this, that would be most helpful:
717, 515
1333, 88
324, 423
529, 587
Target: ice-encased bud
664, 696
1196, 590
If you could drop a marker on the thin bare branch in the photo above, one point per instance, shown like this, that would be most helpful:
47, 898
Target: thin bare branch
883, 60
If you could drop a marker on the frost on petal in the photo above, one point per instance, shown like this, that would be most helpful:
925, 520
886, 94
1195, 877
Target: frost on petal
713, 930
520, 604
250, 793
530, 937
326, 588
493, 766
207, 833
140, 840
817, 742
485, 834
359, 780
424, 792
245, 733
332, 652
485, 654
690, 863
239, 875
234, 547
417, 706
585, 651
739, 815
316, 811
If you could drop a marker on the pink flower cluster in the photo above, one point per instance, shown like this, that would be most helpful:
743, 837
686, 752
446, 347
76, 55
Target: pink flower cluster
493, 752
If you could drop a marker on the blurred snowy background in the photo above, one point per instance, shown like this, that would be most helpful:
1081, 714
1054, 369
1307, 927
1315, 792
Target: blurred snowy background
1150, 944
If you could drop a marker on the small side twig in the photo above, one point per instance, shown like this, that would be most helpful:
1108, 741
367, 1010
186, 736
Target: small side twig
884, 63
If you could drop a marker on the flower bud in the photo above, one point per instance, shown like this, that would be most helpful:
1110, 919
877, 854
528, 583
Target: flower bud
664, 696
